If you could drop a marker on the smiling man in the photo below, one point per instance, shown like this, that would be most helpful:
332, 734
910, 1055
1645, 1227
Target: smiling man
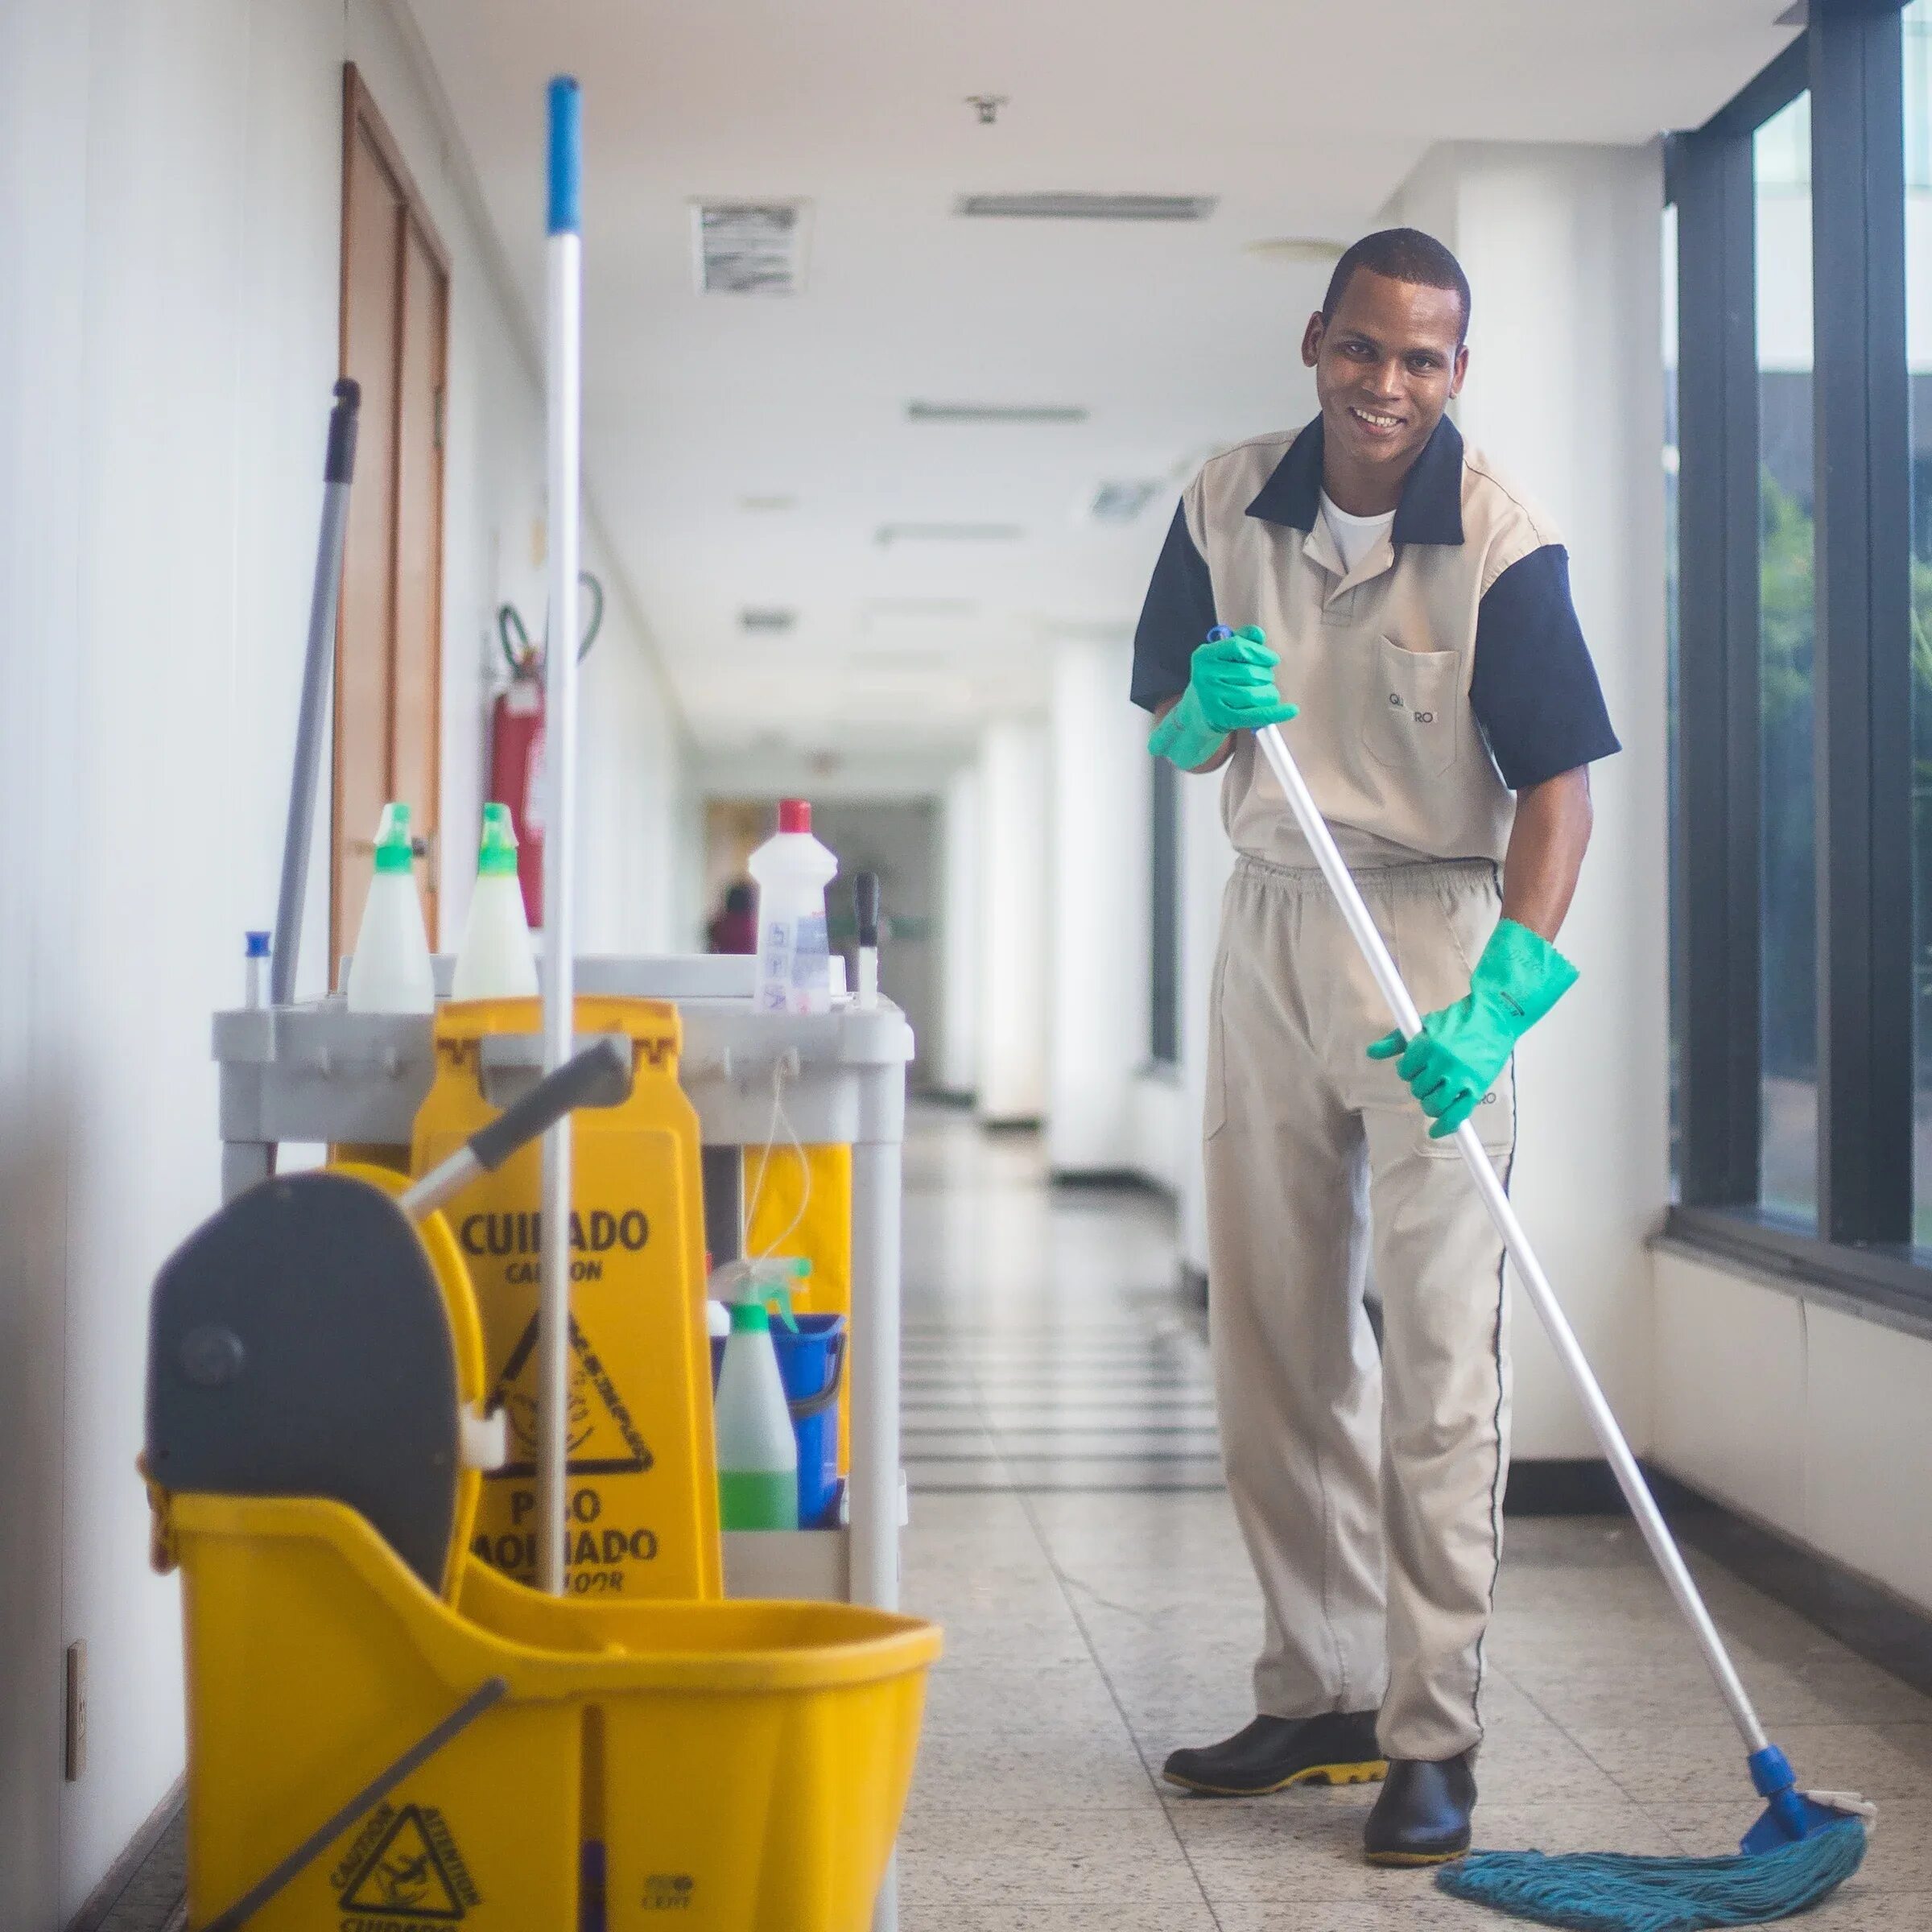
1416, 610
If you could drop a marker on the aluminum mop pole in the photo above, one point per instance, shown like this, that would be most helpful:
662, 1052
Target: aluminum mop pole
1792, 1817
564, 398
338, 471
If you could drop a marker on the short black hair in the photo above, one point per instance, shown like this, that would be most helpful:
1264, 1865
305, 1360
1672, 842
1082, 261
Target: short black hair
1403, 254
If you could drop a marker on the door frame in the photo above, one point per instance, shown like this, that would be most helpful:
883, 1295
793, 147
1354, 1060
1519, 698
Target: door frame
362, 117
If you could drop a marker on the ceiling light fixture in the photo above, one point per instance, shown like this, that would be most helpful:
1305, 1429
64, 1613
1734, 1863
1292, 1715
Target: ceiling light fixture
766, 503
996, 412
1068, 205
1122, 503
1298, 251
770, 617
949, 533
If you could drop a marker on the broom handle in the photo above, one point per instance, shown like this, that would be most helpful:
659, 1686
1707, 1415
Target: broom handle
563, 402
1629, 1478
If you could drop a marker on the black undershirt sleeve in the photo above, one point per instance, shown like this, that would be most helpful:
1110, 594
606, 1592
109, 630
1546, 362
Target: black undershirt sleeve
1178, 614
1533, 688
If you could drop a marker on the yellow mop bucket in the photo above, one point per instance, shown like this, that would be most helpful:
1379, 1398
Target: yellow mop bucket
742, 1765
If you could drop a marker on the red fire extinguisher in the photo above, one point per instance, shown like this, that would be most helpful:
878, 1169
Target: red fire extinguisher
516, 741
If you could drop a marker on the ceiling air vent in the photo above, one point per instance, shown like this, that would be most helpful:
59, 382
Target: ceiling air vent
771, 619
995, 412
1122, 503
749, 248
1068, 207
950, 533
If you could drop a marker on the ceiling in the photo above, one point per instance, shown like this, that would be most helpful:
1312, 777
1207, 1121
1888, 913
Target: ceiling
1301, 117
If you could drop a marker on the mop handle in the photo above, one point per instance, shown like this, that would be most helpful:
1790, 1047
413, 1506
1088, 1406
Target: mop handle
563, 401
1629, 1478
338, 472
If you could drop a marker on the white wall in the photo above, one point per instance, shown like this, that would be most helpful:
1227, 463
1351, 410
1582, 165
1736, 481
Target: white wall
1562, 246
1808, 1416
1015, 933
170, 184
959, 1071
1099, 905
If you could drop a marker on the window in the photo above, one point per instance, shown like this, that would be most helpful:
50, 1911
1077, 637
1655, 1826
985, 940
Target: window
1801, 604
1788, 924
1918, 355
1163, 1034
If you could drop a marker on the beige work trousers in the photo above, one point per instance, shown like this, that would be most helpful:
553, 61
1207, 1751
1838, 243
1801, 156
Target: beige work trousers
1368, 1486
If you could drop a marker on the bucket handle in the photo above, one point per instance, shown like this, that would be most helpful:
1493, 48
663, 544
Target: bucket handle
804, 1409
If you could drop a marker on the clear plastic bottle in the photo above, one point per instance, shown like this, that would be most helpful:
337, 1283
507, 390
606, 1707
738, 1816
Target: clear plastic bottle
495, 961
793, 869
389, 971
757, 1451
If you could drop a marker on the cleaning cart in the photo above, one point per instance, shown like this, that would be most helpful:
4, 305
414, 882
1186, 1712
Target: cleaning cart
384, 1730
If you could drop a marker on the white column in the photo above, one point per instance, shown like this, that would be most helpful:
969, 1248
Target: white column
1098, 998
1014, 934
1563, 247
958, 1070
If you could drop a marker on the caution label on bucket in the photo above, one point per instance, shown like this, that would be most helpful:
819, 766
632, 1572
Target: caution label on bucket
642, 1518
403, 1870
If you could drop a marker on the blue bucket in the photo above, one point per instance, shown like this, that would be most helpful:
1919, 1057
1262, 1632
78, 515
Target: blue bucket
811, 1363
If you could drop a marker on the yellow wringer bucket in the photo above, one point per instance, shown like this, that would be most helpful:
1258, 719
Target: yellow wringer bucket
385, 1733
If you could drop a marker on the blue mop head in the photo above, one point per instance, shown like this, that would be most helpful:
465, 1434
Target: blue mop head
1793, 1856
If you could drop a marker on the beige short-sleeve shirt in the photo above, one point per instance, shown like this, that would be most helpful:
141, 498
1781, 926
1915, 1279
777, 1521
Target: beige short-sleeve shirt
1444, 672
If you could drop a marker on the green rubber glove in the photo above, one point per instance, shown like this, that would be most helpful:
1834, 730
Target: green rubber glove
1455, 1059
1230, 688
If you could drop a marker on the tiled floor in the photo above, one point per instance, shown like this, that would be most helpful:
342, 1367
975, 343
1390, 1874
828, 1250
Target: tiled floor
1069, 1532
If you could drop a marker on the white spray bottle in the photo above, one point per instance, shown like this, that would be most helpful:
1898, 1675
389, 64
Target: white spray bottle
496, 961
391, 971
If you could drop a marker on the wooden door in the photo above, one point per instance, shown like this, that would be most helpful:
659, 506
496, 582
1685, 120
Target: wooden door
395, 311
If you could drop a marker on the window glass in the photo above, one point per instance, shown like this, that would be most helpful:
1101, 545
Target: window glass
1918, 27
1789, 1041
1670, 621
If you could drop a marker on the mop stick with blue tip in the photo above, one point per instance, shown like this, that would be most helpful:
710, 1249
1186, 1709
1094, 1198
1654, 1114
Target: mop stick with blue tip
1805, 1843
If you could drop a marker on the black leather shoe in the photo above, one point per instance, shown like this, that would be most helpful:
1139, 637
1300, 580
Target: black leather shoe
1337, 1748
1421, 1814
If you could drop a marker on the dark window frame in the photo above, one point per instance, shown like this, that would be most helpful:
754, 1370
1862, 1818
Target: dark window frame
1849, 59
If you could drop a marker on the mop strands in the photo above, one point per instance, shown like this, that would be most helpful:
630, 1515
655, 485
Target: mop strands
1805, 1844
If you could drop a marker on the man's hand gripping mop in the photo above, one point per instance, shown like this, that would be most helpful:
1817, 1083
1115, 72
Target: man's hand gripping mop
1807, 1844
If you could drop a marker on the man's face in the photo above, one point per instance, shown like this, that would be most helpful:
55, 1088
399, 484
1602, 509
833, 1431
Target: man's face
1385, 365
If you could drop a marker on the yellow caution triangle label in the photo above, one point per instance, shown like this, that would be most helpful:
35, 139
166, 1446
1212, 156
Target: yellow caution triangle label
414, 1874
604, 1439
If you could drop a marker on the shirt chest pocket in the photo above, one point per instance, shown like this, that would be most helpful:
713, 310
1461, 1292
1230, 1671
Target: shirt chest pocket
1410, 706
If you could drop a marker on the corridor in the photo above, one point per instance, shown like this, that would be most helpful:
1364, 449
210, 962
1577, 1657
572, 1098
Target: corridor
1069, 1532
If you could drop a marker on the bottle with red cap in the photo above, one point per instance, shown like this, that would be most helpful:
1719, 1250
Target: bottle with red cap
792, 870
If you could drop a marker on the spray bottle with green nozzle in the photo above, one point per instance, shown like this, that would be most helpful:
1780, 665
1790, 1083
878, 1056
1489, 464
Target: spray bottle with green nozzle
390, 971
757, 1452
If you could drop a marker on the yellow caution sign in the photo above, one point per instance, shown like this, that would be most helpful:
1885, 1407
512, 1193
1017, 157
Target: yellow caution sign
798, 1202
642, 1507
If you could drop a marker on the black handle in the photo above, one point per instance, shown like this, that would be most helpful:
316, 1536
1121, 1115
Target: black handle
866, 904
599, 1076
340, 465
807, 1406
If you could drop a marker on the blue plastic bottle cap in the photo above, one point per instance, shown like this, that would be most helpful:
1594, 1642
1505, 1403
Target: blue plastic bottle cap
257, 945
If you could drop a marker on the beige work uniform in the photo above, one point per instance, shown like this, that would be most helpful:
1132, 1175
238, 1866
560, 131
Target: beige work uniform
1368, 1486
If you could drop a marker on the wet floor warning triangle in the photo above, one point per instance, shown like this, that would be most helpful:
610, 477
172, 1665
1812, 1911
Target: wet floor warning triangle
408, 1877
604, 1439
